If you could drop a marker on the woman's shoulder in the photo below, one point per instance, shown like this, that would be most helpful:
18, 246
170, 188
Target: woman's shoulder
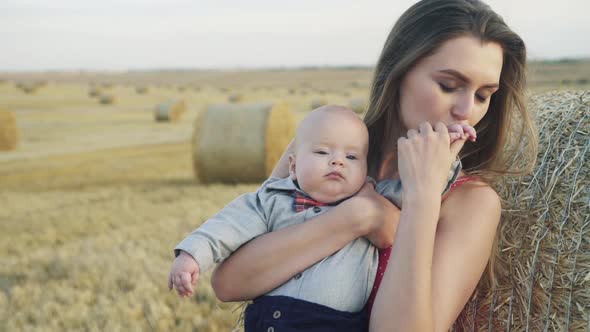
469, 199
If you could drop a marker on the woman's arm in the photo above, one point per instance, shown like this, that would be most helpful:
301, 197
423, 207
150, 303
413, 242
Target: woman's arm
436, 262
437, 259
270, 260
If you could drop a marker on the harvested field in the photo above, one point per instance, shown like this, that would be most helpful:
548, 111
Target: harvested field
95, 197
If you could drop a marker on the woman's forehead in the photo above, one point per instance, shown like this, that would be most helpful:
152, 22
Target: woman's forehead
479, 62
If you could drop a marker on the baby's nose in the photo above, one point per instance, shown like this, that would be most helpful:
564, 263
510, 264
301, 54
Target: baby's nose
337, 161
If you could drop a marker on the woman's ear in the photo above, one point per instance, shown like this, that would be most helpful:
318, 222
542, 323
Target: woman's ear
292, 167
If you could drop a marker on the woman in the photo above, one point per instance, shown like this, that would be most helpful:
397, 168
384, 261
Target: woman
445, 62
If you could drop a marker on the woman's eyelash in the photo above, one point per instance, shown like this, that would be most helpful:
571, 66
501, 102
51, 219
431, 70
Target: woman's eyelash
321, 152
481, 98
449, 89
446, 88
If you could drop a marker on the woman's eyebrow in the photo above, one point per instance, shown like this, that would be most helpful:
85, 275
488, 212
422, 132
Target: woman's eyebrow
464, 78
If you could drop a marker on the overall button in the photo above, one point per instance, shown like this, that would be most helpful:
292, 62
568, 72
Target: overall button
276, 314
298, 276
270, 329
317, 209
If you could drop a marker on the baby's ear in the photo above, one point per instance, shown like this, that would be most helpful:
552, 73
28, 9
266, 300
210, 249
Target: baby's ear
292, 167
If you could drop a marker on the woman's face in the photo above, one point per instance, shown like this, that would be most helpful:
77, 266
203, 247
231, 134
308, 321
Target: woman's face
453, 85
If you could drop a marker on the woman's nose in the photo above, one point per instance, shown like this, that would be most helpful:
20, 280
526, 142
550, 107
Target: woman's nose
463, 107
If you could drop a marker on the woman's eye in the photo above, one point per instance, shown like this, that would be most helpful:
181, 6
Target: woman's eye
481, 99
446, 88
351, 157
321, 152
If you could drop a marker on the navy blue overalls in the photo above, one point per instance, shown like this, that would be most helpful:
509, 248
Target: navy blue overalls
286, 314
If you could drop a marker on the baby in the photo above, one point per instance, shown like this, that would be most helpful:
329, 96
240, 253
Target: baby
328, 166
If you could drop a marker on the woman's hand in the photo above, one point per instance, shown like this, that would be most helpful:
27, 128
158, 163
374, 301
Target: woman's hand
424, 158
376, 216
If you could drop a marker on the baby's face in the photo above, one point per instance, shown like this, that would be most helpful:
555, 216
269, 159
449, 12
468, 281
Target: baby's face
330, 161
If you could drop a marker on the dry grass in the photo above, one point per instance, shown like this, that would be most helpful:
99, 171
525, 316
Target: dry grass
86, 238
9, 134
318, 102
96, 196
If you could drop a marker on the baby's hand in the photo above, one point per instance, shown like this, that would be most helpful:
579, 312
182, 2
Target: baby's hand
457, 131
184, 274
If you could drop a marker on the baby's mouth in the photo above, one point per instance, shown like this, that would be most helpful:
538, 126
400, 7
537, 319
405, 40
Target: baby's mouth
336, 175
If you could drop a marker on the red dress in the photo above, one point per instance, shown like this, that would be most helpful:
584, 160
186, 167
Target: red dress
385, 253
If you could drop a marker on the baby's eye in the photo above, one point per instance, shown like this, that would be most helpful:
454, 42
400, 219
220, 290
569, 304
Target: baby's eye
351, 157
321, 152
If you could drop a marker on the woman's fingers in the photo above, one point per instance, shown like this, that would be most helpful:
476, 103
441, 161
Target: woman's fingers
456, 146
412, 133
440, 127
425, 128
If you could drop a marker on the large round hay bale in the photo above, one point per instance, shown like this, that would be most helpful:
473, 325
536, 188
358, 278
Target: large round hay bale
317, 102
28, 88
94, 92
235, 98
141, 90
240, 143
107, 99
170, 111
543, 265
358, 105
9, 135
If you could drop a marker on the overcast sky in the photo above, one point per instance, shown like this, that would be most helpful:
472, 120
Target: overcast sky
145, 34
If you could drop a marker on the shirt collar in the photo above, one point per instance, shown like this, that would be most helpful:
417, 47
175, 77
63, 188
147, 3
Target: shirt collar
288, 184
283, 184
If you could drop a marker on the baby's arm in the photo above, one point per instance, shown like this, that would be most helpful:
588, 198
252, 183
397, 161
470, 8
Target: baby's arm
184, 274
238, 222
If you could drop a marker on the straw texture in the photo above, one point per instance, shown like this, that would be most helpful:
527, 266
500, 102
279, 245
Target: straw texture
543, 265
240, 143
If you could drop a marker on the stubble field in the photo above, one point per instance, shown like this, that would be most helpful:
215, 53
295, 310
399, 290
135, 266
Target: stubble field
96, 196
